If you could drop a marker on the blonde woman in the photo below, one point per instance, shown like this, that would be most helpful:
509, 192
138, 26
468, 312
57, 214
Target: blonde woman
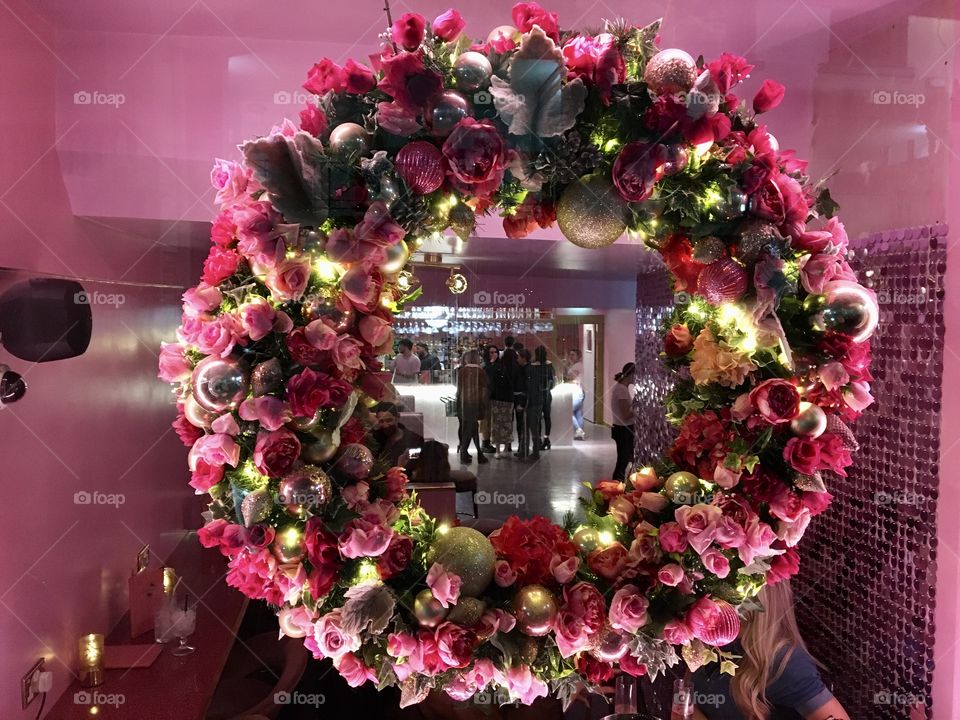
776, 678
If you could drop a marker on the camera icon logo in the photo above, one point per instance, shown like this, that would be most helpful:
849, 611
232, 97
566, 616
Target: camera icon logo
282, 97
483, 498
81, 298
82, 97
483, 698
482, 297
882, 97
482, 97
82, 697
82, 498
281, 698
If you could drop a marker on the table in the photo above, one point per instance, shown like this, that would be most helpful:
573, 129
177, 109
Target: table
173, 688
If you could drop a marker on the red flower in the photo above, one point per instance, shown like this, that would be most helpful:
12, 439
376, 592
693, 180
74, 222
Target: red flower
408, 82
637, 169
303, 353
783, 567
776, 400
678, 255
186, 431
609, 562
476, 156
275, 452
781, 201
407, 31
396, 558
768, 97
309, 390
448, 26
833, 455
803, 455
358, 79
219, 265
323, 555
596, 671
610, 69
313, 120
728, 71
528, 546
526, 15
323, 77
678, 341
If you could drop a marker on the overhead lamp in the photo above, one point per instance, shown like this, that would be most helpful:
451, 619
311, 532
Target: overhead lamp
456, 283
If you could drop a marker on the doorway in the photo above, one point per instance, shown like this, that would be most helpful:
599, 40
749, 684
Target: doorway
585, 333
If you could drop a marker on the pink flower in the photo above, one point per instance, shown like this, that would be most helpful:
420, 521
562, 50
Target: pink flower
729, 533
632, 666
527, 14
173, 365
396, 484
816, 270
376, 331
332, 641
608, 562
397, 119
448, 25
271, 412
768, 97
670, 574
360, 288
205, 476
363, 538
834, 456
325, 76
725, 477
833, 375
716, 562
288, 279
275, 452
673, 538
503, 574
400, 645
758, 536
610, 69
230, 180
220, 264
699, 522
218, 336
777, 401
257, 317
585, 601
313, 120
476, 156
628, 609
637, 169
407, 31
571, 634
524, 685
201, 299
644, 548
802, 454
408, 82
580, 56
677, 633
563, 570
621, 509
455, 644
652, 501
353, 670
226, 424
791, 532
309, 390
216, 449
444, 585
728, 71
396, 558
358, 79
857, 396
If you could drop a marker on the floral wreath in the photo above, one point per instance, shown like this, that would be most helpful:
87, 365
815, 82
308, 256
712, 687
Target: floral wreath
276, 360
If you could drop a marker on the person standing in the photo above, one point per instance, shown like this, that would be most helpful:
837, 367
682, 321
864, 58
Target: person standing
622, 431
471, 404
574, 376
406, 365
520, 402
539, 380
490, 357
428, 361
501, 402
551, 381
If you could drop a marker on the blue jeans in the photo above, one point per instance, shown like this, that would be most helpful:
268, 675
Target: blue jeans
578, 411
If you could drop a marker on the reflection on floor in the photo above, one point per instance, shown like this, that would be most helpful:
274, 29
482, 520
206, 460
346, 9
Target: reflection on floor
549, 487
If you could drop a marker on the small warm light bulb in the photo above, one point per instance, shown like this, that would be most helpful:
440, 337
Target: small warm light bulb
328, 270
291, 536
606, 537
366, 571
443, 529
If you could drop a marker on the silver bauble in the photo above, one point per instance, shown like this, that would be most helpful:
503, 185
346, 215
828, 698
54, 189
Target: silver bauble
349, 140
472, 71
256, 506
756, 237
304, 490
446, 110
810, 422
591, 212
708, 249
219, 384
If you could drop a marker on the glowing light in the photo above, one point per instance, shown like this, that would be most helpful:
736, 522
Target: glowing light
611, 145
169, 580
443, 529
291, 536
736, 318
711, 197
366, 571
696, 310
456, 283
328, 270
606, 537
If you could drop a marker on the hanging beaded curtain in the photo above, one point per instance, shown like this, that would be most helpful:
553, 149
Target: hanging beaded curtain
865, 593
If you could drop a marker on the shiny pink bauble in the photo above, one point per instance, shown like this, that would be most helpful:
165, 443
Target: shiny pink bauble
670, 71
355, 462
724, 628
196, 415
287, 624
722, 281
317, 308
219, 384
304, 489
420, 164
445, 110
611, 645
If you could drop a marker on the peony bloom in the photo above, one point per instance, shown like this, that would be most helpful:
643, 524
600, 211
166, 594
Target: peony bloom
527, 14
768, 97
275, 452
444, 585
476, 156
728, 71
363, 538
455, 644
313, 120
205, 476
628, 609
309, 391
408, 82
716, 361
802, 455
220, 264
637, 169
608, 562
448, 25
777, 401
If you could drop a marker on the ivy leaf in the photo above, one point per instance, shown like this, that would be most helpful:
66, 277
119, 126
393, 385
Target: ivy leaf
826, 205
729, 667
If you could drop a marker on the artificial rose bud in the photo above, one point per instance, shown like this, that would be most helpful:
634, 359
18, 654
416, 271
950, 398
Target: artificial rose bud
408, 31
448, 26
768, 97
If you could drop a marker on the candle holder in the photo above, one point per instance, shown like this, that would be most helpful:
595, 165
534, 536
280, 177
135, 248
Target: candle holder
91, 660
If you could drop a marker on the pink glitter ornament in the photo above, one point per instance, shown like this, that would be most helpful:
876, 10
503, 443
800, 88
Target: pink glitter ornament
420, 164
722, 281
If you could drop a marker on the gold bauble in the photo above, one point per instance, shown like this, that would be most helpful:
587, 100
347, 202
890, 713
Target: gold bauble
467, 553
587, 539
535, 609
322, 449
682, 487
467, 611
307, 424
288, 545
810, 422
427, 609
591, 212
349, 140
529, 649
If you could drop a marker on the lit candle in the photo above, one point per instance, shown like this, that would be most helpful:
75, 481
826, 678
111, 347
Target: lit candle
91, 659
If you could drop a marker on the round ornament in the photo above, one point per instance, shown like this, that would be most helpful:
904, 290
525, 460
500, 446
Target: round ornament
722, 281
307, 424
355, 462
255, 506
468, 553
670, 71
610, 645
219, 384
587, 539
397, 256
723, 627
849, 308
288, 545
427, 609
708, 249
535, 609
304, 490
467, 611
502, 33
810, 422
420, 165
755, 237
319, 308
195, 414
678, 157
266, 378
682, 488
349, 140
287, 624
446, 110
322, 448
472, 71
591, 212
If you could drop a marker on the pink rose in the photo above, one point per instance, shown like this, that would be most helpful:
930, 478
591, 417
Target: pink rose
716, 562
527, 14
358, 79
758, 536
332, 641
347, 354
632, 666
803, 455
670, 574
325, 76
608, 562
396, 484
216, 449
503, 574
729, 533
448, 25
354, 671
644, 548
699, 522
201, 299
857, 396
455, 644
220, 264
360, 288
564, 571
678, 341
444, 585
226, 424
313, 120
396, 558
652, 501
257, 317
220, 335
408, 30
628, 609
768, 97
400, 645
288, 279
791, 532
476, 156
777, 401
571, 634
376, 331
275, 452
173, 365
621, 510
637, 169
397, 119
205, 476
363, 538
677, 633
725, 477
230, 181
524, 685
673, 538
271, 412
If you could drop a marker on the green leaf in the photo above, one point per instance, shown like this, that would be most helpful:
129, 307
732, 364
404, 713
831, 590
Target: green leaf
826, 205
